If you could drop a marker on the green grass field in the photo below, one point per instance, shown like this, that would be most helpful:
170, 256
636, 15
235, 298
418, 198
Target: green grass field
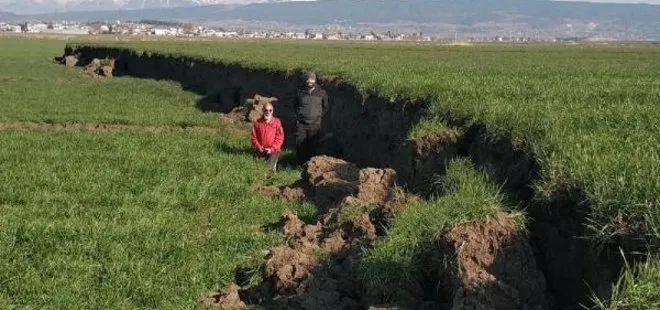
144, 220
119, 220
581, 110
35, 88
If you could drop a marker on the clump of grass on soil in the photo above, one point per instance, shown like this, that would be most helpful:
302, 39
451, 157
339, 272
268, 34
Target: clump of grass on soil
431, 125
394, 264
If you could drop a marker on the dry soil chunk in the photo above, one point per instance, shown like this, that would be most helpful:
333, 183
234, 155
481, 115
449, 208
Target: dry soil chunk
497, 269
376, 185
226, 299
332, 179
70, 61
287, 268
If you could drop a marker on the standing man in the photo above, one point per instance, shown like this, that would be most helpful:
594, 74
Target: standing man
311, 104
267, 137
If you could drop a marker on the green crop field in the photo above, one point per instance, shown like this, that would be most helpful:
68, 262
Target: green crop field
119, 220
141, 219
587, 113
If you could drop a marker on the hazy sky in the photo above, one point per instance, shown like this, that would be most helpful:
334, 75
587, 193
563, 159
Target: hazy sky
624, 1
239, 1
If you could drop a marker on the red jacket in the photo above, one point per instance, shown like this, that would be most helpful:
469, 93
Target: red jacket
267, 134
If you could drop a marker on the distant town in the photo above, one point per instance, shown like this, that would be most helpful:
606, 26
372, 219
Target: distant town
165, 29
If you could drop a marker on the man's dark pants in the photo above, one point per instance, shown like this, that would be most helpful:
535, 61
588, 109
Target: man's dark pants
307, 138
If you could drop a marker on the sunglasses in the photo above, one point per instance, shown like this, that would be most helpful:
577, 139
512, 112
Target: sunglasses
268, 110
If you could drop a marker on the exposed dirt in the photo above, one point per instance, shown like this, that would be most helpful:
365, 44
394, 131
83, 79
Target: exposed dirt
11, 125
375, 185
226, 299
247, 112
332, 179
256, 105
70, 61
297, 275
496, 267
296, 192
99, 68
419, 161
491, 266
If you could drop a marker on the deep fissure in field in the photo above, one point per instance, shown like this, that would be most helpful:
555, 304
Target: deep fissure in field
316, 269
372, 131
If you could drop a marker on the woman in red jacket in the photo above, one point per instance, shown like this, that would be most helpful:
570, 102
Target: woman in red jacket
268, 136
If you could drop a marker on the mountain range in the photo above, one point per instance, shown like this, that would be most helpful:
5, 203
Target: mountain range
50, 6
464, 16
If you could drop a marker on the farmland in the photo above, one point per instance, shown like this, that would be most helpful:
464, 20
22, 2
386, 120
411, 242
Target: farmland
118, 219
585, 114
577, 108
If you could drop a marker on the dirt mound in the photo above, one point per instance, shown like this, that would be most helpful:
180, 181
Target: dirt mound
286, 268
70, 61
295, 275
329, 182
293, 193
254, 107
226, 299
305, 235
359, 230
496, 268
376, 185
233, 110
98, 67
490, 265
332, 179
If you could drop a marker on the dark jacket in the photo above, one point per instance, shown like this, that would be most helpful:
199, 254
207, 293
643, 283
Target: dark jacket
310, 107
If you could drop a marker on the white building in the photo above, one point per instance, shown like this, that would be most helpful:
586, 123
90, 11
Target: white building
161, 32
35, 28
228, 34
75, 31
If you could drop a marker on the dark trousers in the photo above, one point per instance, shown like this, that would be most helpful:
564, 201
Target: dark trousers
272, 158
307, 139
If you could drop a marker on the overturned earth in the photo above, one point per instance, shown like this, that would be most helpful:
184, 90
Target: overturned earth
372, 130
492, 265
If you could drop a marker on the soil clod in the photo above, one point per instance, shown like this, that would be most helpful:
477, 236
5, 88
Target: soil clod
226, 299
495, 267
96, 68
316, 269
254, 107
70, 61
